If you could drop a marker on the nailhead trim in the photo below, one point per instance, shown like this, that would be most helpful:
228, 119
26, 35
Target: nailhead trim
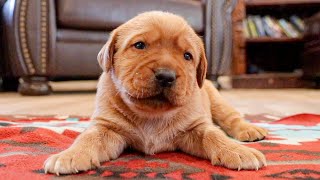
43, 39
23, 36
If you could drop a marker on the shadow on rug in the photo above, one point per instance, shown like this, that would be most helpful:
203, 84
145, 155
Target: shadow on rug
292, 149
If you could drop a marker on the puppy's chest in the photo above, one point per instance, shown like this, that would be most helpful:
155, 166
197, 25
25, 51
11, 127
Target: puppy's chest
154, 139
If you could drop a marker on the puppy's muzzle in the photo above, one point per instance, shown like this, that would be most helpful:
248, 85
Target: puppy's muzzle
165, 77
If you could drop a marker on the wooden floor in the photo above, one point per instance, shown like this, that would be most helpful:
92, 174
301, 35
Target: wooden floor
77, 98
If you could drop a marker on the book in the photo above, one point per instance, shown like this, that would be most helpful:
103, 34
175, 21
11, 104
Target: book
258, 22
246, 29
287, 28
293, 30
268, 30
252, 27
277, 27
284, 28
297, 23
274, 26
257, 26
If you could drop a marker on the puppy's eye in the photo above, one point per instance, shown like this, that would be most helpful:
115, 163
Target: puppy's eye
188, 56
140, 45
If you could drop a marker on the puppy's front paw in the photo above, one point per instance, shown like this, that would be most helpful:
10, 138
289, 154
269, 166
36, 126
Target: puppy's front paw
70, 161
248, 132
239, 157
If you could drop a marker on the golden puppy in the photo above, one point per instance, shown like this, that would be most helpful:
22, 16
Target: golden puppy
153, 96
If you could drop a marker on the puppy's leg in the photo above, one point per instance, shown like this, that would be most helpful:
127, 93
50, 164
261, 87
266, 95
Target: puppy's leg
230, 120
95, 145
208, 141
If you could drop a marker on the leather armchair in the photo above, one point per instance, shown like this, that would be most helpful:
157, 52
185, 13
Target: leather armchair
59, 39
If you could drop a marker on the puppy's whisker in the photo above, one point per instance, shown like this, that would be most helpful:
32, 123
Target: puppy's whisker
117, 93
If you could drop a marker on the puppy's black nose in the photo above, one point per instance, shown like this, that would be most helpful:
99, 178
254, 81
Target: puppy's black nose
165, 77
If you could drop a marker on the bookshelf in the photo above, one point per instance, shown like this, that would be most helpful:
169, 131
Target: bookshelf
269, 59
255, 3
270, 39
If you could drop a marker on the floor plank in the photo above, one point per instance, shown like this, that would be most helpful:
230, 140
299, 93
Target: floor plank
77, 98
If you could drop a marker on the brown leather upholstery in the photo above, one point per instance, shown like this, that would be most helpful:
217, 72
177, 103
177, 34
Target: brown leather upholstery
107, 15
70, 35
61, 38
88, 43
311, 55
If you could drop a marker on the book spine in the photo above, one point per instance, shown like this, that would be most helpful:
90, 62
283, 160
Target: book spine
246, 29
267, 28
284, 27
252, 27
293, 31
258, 23
298, 23
287, 29
276, 29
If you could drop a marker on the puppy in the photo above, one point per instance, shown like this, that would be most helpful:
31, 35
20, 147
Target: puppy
153, 96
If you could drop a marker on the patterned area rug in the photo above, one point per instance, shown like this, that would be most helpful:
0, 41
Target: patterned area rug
292, 150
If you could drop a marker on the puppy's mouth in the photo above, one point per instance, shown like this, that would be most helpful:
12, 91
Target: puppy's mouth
152, 100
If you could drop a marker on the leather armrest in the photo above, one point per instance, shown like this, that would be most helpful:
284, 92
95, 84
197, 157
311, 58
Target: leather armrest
29, 29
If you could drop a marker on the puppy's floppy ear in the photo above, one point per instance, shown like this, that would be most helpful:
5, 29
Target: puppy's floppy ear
105, 56
202, 67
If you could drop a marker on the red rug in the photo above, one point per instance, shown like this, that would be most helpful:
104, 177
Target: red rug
292, 149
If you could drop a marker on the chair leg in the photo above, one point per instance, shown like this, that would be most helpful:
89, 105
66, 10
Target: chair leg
34, 86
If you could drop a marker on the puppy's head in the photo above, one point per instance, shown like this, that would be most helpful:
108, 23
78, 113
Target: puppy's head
156, 61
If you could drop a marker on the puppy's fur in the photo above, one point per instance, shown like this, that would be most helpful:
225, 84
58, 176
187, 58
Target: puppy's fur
133, 110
